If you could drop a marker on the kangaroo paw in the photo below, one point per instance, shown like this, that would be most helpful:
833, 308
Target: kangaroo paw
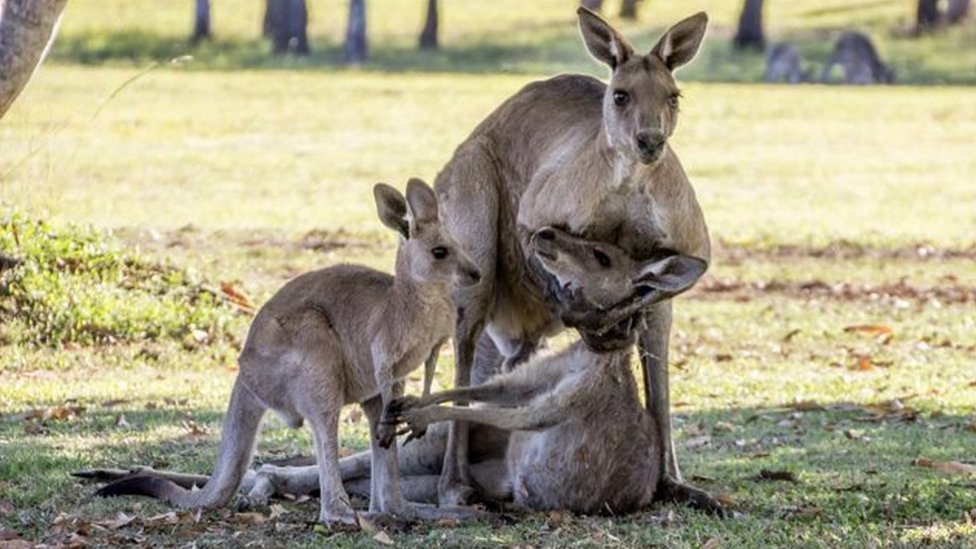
671, 490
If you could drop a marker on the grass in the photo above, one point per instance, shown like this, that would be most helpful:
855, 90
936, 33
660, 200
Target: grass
831, 208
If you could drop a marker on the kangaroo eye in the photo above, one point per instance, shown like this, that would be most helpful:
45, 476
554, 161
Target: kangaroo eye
602, 258
439, 252
620, 98
673, 101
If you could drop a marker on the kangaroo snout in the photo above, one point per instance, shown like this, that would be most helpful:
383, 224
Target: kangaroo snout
650, 145
467, 273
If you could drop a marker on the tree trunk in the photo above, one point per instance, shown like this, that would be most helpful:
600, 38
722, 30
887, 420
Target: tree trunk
750, 33
958, 11
201, 21
628, 9
286, 23
593, 5
27, 28
927, 15
357, 48
428, 36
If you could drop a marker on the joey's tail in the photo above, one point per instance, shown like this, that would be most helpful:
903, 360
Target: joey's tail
233, 459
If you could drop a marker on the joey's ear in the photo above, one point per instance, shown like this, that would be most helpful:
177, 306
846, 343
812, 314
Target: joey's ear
603, 42
680, 44
391, 208
670, 276
421, 202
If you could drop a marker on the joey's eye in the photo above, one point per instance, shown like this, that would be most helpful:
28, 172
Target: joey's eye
673, 101
440, 252
620, 98
602, 258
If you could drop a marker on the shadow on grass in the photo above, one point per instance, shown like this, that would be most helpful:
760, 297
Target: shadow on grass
546, 51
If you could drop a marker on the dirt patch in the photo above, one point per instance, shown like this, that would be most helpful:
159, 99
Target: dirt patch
841, 249
951, 292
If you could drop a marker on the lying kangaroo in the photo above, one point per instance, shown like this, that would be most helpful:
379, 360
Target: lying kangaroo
332, 337
592, 158
579, 439
861, 62
784, 63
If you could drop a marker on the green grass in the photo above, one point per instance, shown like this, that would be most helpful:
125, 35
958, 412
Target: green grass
830, 207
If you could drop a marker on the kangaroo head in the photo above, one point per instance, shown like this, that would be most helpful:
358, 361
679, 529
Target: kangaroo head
603, 275
640, 107
427, 252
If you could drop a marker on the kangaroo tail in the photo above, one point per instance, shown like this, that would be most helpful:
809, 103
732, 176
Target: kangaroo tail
237, 441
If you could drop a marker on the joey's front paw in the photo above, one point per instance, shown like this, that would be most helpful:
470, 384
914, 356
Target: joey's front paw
397, 406
386, 434
415, 419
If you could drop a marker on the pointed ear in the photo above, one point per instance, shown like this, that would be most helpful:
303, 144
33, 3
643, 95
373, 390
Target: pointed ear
680, 44
670, 276
421, 202
603, 42
391, 208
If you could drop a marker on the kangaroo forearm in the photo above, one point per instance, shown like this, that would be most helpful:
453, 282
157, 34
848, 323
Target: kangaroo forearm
509, 419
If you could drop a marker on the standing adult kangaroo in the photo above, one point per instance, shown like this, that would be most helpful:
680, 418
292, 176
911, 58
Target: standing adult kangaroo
593, 159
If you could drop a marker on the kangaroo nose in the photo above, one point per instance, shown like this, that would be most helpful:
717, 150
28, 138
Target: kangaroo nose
649, 142
471, 274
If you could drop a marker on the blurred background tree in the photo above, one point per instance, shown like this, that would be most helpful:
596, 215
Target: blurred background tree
750, 31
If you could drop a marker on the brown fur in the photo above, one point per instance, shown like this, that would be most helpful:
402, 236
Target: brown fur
561, 152
337, 336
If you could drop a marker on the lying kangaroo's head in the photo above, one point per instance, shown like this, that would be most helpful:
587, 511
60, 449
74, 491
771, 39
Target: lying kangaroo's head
640, 108
427, 252
604, 275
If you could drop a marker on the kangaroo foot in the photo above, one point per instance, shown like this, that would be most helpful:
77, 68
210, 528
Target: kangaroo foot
672, 490
455, 494
338, 517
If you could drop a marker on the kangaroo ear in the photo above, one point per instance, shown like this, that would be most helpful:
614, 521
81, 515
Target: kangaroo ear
391, 208
421, 202
670, 276
602, 41
680, 44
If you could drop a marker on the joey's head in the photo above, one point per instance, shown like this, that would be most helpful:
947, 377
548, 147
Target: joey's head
427, 252
603, 275
640, 107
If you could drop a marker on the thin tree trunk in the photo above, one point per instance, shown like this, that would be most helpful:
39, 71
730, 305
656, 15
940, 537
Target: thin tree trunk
356, 48
628, 9
958, 11
27, 28
927, 15
593, 5
750, 32
286, 23
201, 21
428, 36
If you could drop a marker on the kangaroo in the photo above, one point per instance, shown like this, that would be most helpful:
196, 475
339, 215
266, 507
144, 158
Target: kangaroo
591, 158
336, 336
861, 62
576, 434
784, 63
580, 437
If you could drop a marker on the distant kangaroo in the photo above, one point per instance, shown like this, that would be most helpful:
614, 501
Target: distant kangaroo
591, 158
861, 62
332, 337
784, 63
565, 432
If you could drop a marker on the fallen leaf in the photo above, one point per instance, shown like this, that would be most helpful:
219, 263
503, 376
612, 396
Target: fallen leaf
698, 442
237, 297
768, 474
864, 364
713, 543
726, 427
120, 520
383, 537
250, 518
166, 518
868, 329
276, 511
951, 467
448, 523
366, 525
555, 519
791, 334
195, 429
726, 500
